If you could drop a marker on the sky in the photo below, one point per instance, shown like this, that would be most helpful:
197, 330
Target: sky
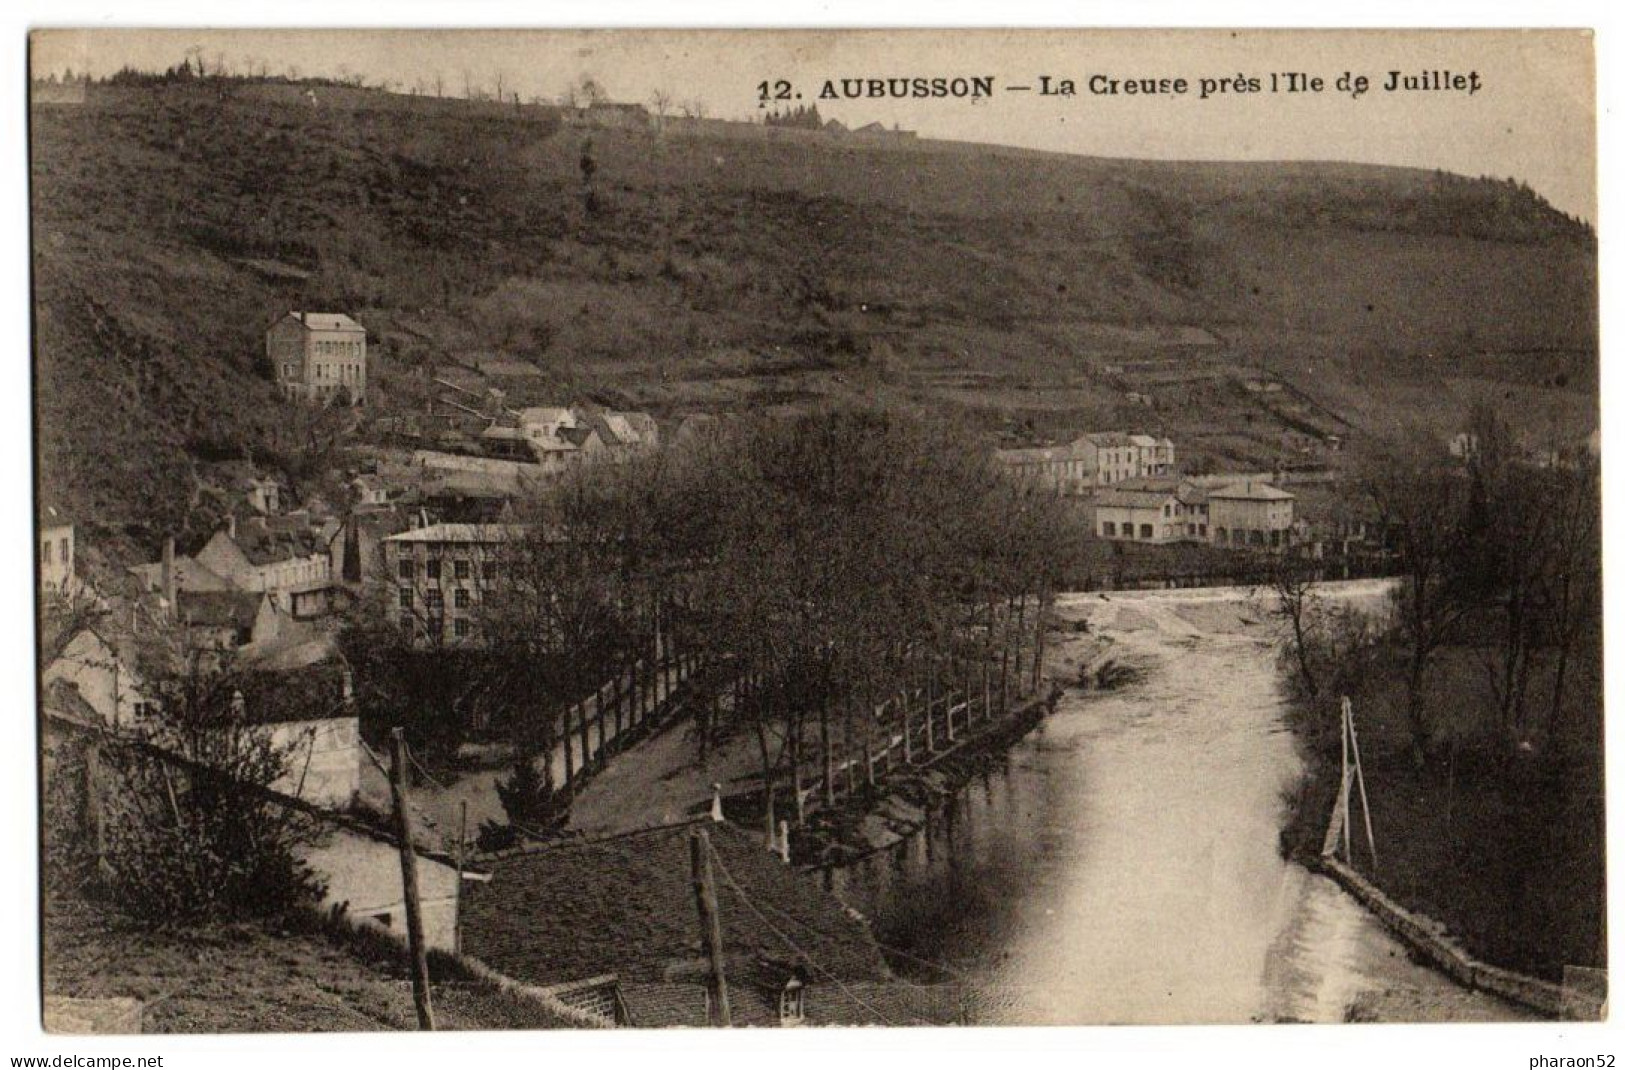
1533, 117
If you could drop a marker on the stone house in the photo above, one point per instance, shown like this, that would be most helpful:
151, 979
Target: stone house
227, 621
56, 551
440, 575
285, 557
1252, 515
1154, 509
91, 666
319, 357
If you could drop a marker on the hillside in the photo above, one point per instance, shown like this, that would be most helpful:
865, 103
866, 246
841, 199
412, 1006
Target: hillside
1030, 292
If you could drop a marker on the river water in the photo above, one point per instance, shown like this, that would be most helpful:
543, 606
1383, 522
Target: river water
1121, 864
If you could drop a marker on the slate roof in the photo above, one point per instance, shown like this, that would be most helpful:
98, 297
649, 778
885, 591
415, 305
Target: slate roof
461, 533
220, 609
625, 905
189, 576
899, 1003
1106, 438
327, 321
50, 516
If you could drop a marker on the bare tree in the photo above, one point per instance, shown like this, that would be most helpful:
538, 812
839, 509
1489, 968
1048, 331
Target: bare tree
1420, 497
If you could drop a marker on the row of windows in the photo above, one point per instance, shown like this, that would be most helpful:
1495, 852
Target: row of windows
461, 568
45, 551
433, 599
338, 349
1110, 529
435, 624
347, 373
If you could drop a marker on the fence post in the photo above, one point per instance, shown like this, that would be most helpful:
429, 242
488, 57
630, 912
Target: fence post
566, 739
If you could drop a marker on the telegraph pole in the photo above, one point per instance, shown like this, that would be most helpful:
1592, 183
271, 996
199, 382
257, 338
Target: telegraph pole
409, 882
705, 898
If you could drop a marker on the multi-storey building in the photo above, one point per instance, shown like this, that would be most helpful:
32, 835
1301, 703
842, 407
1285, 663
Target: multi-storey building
319, 356
440, 576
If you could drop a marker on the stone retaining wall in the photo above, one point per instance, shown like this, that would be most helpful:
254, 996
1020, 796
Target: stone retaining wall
1428, 939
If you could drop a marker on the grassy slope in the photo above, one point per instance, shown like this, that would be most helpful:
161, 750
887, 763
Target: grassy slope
726, 272
1510, 859
255, 977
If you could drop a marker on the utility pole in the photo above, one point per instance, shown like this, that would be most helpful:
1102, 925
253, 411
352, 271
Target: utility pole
462, 853
1359, 776
409, 882
705, 898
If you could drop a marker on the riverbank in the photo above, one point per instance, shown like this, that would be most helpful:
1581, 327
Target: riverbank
1118, 863
1503, 851
902, 802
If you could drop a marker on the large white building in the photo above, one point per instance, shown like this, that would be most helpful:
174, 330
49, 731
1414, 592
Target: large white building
1096, 459
319, 356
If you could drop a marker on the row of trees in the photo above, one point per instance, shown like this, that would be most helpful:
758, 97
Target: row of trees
823, 561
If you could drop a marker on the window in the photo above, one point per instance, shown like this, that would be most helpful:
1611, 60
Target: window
1108, 528
434, 599
406, 598
462, 599
45, 552
404, 568
1145, 531
462, 568
432, 568
488, 570
460, 626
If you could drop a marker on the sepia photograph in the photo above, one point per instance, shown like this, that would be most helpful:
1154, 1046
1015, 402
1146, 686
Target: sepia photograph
632, 529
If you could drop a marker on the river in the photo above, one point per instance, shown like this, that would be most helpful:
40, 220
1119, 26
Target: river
1121, 864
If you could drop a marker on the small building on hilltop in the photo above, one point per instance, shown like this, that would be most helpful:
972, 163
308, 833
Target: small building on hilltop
319, 357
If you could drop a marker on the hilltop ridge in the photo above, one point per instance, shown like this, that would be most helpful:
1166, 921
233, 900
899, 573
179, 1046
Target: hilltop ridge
1030, 292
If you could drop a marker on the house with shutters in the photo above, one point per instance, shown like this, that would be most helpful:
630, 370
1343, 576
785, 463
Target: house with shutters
319, 357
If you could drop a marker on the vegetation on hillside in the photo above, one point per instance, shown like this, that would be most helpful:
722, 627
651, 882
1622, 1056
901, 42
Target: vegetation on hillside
172, 222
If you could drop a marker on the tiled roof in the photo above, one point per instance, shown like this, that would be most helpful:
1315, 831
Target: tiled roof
1252, 492
546, 414
1133, 499
625, 905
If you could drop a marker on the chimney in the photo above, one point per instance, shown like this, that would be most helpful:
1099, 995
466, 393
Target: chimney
231, 525
166, 576
346, 687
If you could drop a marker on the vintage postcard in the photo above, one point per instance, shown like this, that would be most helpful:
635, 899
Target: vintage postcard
754, 529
